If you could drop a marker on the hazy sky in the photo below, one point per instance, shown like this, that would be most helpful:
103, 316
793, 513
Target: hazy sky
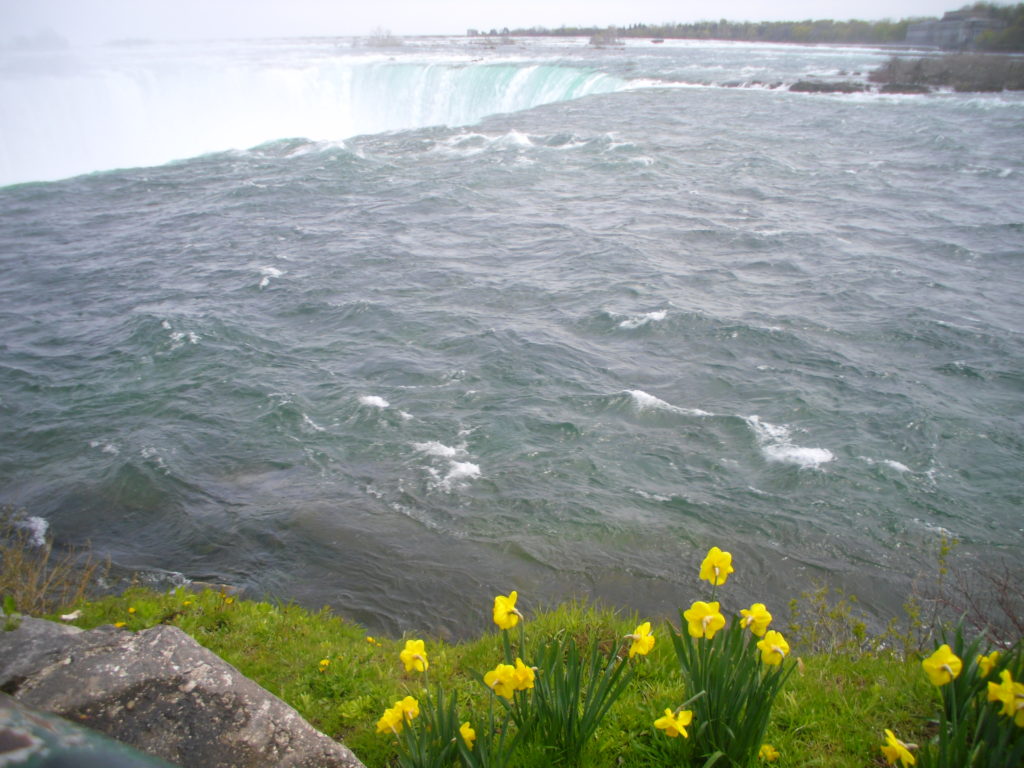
93, 21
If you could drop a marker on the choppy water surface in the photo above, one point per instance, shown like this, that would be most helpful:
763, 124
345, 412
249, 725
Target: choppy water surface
537, 317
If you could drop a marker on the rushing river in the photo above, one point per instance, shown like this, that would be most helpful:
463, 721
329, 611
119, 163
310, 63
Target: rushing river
398, 330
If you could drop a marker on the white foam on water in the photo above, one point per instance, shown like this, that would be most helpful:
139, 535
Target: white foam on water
416, 514
473, 143
898, 466
105, 447
435, 448
645, 401
515, 139
179, 338
795, 454
150, 453
464, 144
777, 445
37, 528
269, 272
374, 401
312, 423
574, 143
459, 472
934, 528
638, 321
651, 496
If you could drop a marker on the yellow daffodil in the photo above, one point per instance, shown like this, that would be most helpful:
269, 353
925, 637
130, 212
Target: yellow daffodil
943, 666
773, 647
643, 640
391, 721
229, 600
704, 619
756, 619
894, 750
522, 676
986, 663
768, 753
716, 567
324, 664
414, 656
119, 624
370, 639
409, 707
506, 615
674, 724
467, 733
187, 603
1011, 695
397, 714
502, 680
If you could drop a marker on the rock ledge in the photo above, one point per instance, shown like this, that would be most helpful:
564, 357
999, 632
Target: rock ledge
163, 693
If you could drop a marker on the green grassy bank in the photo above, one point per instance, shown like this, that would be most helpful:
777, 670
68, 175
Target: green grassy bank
822, 692
832, 711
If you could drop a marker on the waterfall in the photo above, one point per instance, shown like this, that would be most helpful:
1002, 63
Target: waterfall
128, 111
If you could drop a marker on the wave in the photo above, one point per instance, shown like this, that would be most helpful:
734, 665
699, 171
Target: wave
645, 401
150, 110
458, 472
777, 445
637, 321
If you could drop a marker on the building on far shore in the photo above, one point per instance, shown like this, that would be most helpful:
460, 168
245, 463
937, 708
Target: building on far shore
957, 30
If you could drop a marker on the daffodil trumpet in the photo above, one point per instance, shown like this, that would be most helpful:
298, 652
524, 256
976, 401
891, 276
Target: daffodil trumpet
641, 640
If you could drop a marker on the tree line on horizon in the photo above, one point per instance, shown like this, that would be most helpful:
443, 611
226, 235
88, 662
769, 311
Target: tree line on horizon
821, 31
1010, 37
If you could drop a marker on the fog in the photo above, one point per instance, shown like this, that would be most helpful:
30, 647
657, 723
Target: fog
87, 22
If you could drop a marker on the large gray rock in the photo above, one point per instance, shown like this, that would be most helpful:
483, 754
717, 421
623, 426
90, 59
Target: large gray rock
32, 739
163, 693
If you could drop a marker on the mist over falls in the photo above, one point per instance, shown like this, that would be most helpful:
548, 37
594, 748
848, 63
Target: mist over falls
80, 112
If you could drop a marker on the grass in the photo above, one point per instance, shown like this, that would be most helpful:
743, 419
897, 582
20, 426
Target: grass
35, 578
849, 686
832, 712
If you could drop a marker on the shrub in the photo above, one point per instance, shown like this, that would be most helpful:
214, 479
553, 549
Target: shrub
37, 579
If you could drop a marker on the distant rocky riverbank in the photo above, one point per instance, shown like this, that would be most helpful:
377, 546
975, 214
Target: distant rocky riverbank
963, 73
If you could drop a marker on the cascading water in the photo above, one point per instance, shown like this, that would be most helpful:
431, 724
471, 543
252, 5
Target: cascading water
140, 108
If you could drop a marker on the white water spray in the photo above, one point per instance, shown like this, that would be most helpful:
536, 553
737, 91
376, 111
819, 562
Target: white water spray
74, 114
